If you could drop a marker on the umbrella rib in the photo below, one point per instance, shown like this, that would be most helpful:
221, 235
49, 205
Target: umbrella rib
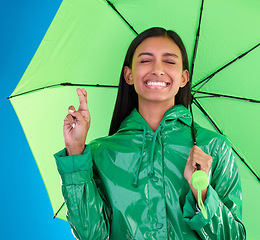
114, 8
219, 131
226, 96
208, 117
226, 65
64, 84
243, 160
196, 41
55, 215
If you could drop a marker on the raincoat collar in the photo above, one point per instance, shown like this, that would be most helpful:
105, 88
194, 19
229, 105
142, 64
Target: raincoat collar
135, 121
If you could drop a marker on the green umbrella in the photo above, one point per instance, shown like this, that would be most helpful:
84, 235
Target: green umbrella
85, 47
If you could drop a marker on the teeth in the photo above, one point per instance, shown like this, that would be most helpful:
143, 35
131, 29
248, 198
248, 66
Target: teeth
156, 84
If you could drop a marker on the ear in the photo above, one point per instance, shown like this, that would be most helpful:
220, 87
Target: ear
128, 75
185, 78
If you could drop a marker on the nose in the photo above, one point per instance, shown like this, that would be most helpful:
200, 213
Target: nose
157, 68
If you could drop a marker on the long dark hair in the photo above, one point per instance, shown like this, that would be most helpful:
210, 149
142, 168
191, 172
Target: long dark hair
127, 98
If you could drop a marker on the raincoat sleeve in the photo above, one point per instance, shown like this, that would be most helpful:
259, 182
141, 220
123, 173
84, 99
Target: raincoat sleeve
223, 201
86, 214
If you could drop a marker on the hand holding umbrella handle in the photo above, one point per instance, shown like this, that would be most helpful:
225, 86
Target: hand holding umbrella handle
76, 125
196, 173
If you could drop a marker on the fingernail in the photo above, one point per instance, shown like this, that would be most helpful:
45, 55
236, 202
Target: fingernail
71, 111
73, 125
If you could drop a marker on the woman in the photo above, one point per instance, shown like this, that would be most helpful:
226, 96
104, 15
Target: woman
136, 183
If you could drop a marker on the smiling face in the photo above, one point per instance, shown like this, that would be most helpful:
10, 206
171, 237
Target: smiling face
156, 71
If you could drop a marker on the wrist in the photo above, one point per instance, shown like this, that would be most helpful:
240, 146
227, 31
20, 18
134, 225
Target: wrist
75, 150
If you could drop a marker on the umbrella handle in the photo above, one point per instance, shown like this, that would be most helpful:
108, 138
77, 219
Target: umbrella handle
193, 128
199, 178
200, 182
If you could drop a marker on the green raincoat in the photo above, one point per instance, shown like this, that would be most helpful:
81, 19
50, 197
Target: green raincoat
131, 185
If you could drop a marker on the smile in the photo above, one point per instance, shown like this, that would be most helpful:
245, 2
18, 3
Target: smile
156, 84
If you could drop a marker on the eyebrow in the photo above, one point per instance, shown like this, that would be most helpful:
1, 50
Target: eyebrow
165, 54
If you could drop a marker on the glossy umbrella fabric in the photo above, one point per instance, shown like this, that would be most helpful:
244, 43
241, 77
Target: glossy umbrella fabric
85, 46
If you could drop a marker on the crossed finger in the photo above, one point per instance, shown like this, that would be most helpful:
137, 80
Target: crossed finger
82, 94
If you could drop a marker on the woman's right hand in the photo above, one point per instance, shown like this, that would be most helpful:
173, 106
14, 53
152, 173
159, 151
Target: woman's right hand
76, 125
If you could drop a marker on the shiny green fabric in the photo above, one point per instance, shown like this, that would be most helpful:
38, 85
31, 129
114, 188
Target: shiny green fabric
138, 189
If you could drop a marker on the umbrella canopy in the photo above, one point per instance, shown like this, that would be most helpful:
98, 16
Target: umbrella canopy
85, 46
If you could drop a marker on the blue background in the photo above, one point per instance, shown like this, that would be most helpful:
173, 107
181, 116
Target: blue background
26, 212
